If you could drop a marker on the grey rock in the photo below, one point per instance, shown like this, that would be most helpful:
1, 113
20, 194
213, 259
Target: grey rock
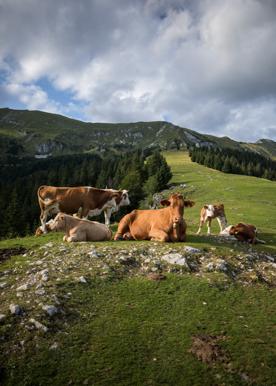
82, 279
222, 266
191, 249
40, 292
50, 310
15, 309
2, 317
38, 325
3, 285
210, 267
23, 287
175, 258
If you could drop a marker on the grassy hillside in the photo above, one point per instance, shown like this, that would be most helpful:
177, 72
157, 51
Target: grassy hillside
124, 316
26, 132
247, 199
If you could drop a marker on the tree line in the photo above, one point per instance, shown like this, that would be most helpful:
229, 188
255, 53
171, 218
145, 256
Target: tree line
20, 179
235, 161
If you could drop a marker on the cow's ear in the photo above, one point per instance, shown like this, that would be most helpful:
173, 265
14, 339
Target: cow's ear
205, 207
222, 206
165, 202
61, 216
189, 203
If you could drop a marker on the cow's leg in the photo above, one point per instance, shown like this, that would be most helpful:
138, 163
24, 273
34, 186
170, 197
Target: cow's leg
64, 238
123, 227
201, 223
107, 215
158, 235
83, 212
43, 220
209, 220
222, 223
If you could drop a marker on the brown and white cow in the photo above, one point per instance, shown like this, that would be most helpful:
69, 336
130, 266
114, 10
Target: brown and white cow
208, 213
243, 232
77, 229
166, 224
84, 200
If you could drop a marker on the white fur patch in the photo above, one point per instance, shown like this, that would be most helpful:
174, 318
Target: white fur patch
210, 211
109, 204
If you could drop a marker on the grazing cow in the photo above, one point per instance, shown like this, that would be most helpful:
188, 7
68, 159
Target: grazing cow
77, 229
166, 224
243, 232
208, 213
84, 200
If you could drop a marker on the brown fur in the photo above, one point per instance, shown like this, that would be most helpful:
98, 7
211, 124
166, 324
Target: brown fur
72, 200
166, 224
245, 232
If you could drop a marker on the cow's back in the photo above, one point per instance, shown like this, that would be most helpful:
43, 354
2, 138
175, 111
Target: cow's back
144, 221
69, 199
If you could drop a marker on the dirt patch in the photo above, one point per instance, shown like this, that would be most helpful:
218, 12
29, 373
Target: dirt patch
6, 253
156, 276
207, 349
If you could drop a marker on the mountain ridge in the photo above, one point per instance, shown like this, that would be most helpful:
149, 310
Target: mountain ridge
41, 134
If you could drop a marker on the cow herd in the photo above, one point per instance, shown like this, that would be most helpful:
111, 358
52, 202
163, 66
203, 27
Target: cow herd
73, 205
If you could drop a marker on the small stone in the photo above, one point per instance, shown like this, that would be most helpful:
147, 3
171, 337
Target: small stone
210, 267
54, 346
23, 287
222, 266
38, 325
50, 310
3, 285
175, 258
15, 309
191, 249
2, 317
40, 292
82, 279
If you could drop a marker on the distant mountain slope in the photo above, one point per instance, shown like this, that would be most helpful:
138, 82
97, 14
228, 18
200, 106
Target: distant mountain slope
24, 132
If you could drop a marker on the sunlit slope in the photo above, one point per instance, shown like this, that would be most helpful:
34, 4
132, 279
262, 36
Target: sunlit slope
246, 199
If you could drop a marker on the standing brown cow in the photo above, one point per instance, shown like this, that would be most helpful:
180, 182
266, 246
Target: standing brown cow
166, 224
84, 200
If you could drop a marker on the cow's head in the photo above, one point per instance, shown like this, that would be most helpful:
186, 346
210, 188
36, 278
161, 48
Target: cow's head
124, 201
244, 232
177, 203
39, 230
59, 222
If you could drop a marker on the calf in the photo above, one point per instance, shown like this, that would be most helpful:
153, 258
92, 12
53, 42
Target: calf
245, 232
80, 230
166, 224
208, 213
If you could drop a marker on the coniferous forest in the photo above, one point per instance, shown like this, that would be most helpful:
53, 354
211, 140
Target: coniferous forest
20, 179
234, 161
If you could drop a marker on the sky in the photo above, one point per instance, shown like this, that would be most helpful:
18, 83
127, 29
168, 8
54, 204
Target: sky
208, 65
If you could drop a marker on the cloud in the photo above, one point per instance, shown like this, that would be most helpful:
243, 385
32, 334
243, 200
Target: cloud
208, 65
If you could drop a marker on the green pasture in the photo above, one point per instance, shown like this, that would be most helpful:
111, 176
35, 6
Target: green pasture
129, 330
247, 199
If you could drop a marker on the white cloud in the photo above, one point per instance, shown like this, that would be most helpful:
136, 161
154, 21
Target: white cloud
208, 65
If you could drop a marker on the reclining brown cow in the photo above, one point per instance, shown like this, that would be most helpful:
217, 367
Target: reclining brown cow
245, 232
80, 230
166, 224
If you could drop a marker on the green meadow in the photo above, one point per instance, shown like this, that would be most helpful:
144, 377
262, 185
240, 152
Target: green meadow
121, 328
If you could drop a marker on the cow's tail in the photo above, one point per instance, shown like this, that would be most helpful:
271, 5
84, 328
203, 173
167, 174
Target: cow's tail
45, 201
123, 226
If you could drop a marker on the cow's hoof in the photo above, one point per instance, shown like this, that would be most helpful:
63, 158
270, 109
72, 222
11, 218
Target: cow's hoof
118, 237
